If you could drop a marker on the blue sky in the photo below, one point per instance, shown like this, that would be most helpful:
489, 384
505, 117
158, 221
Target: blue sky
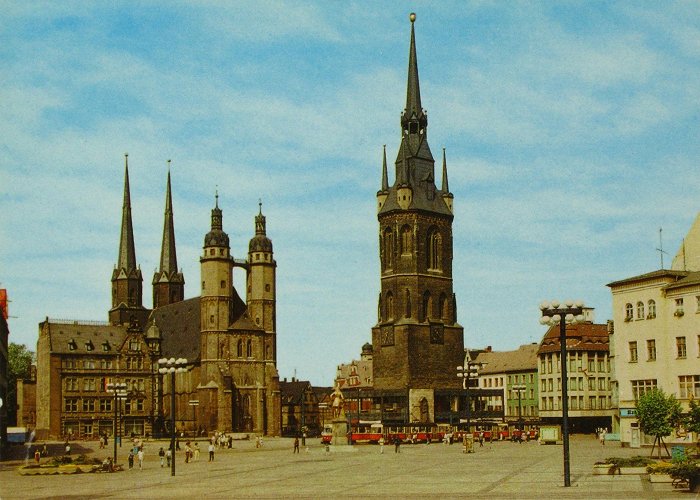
571, 131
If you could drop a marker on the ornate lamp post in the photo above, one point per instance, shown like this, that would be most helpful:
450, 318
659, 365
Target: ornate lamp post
562, 313
471, 369
171, 366
119, 391
519, 389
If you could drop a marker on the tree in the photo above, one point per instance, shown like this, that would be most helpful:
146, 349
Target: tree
658, 416
20, 360
693, 421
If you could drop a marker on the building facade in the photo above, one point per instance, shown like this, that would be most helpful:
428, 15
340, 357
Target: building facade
589, 376
417, 341
230, 343
656, 341
515, 372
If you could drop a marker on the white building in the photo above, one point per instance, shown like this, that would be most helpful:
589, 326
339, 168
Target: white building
656, 340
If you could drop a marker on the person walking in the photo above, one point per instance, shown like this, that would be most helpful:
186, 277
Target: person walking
196, 452
296, 445
211, 452
161, 455
140, 457
397, 444
381, 445
168, 456
131, 460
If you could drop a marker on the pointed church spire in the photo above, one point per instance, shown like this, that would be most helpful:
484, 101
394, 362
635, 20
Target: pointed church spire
385, 177
260, 221
445, 184
413, 104
127, 253
168, 254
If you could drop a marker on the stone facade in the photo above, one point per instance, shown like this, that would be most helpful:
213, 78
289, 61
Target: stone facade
230, 344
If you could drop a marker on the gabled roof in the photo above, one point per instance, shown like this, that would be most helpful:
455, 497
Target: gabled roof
179, 325
522, 359
85, 337
579, 337
293, 392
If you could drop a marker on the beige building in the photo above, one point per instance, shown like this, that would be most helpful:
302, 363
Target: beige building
589, 376
509, 371
656, 340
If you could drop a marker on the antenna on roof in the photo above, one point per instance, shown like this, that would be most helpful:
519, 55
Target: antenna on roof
661, 248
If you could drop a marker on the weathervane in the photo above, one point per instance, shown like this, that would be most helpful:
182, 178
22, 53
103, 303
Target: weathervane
661, 248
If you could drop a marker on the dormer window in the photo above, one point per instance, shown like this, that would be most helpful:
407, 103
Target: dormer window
72, 345
134, 345
89, 346
106, 346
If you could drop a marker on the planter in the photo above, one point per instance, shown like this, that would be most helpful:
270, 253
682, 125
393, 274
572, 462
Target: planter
603, 469
660, 478
633, 470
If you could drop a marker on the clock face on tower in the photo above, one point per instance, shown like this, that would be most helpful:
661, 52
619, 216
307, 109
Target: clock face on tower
436, 335
387, 335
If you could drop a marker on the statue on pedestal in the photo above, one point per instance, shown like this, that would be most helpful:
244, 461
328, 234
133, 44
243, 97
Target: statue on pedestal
338, 401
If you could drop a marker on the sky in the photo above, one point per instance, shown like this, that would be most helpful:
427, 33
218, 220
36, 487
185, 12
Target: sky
570, 128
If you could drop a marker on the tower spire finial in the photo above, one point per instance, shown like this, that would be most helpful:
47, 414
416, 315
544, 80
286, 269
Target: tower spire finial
413, 103
385, 176
445, 184
127, 252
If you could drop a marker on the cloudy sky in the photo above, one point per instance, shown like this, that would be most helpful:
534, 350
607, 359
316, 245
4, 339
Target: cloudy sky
571, 131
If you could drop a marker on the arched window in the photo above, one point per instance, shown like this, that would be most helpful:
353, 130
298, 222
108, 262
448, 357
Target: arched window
249, 349
434, 250
380, 318
629, 312
388, 246
443, 307
427, 306
652, 310
406, 240
408, 303
239, 351
389, 305
640, 310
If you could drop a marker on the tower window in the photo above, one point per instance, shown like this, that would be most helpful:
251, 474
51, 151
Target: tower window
203, 285
388, 249
389, 306
239, 350
267, 287
211, 319
434, 250
223, 284
406, 240
249, 349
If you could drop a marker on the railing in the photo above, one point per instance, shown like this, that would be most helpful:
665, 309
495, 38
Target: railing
79, 322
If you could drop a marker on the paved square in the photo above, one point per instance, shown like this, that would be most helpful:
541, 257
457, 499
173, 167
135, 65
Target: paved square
498, 470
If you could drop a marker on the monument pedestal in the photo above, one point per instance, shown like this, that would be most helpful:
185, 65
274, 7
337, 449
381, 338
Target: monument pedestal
340, 431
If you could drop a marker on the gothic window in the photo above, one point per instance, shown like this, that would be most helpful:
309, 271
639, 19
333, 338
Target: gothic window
379, 308
406, 240
427, 306
389, 305
443, 307
434, 250
249, 349
388, 246
408, 304
239, 351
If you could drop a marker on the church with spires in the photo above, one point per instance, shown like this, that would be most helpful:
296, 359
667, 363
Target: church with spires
227, 334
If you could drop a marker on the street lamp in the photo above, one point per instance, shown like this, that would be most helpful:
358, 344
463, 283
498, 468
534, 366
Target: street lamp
471, 369
171, 366
119, 391
562, 313
519, 389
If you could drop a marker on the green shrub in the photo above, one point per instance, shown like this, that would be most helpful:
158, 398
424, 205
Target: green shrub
686, 469
630, 461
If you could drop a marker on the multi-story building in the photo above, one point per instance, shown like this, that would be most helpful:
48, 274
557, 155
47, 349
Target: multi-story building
656, 340
232, 384
589, 375
300, 411
515, 372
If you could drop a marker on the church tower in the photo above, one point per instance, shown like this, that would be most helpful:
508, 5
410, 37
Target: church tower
127, 281
216, 266
417, 341
168, 283
261, 286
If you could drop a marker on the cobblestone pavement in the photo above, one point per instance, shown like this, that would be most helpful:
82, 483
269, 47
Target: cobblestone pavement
498, 470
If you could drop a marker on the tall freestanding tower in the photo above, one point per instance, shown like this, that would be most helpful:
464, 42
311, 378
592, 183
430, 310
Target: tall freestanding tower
417, 341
